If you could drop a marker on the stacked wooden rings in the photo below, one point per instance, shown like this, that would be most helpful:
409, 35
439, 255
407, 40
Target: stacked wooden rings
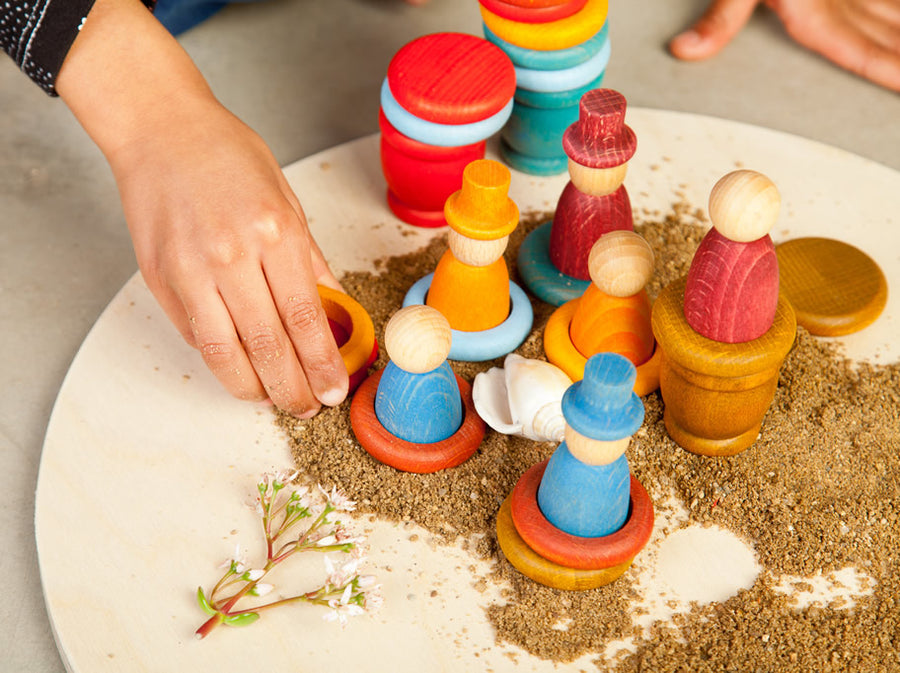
443, 96
560, 50
353, 332
552, 557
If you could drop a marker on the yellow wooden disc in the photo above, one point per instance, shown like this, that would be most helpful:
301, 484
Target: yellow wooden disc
536, 567
835, 289
550, 35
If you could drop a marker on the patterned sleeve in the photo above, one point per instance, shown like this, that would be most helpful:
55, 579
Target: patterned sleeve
37, 34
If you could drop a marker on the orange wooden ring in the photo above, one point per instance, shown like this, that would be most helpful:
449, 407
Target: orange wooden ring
534, 566
411, 456
560, 350
348, 313
551, 35
572, 551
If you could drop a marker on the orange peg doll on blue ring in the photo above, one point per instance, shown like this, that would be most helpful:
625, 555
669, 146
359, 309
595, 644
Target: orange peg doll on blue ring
489, 314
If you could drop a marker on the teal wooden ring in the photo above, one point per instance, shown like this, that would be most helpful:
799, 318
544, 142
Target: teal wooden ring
556, 59
543, 166
490, 343
442, 135
565, 79
539, 274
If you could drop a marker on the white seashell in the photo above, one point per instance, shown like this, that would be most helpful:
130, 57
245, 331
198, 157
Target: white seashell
523, 398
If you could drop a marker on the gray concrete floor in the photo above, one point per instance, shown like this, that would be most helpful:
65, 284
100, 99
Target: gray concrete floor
306, 74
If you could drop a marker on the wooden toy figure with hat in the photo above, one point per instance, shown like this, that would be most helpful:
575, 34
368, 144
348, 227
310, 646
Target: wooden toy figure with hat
553, 259
724, 328
490, 315
416, 414
577, 520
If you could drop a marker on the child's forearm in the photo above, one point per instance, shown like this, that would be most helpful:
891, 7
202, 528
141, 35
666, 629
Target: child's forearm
125, 75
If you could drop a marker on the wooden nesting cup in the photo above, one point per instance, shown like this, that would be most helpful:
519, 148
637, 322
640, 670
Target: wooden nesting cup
716, 394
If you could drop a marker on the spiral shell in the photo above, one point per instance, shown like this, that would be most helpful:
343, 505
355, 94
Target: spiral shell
523, 398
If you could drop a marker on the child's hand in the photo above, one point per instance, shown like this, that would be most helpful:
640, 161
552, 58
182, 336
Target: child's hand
862, 36
223, 244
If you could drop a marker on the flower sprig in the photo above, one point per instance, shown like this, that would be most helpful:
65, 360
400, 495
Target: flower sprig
345, 592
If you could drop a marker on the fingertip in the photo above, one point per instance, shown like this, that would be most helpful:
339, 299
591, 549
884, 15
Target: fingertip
333, 396
686, 45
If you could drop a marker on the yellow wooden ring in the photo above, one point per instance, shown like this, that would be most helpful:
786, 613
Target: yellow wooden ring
534, 566
550, 35
560, 350
349, 314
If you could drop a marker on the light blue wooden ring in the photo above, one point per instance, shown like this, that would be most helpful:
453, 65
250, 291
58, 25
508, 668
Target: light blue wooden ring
556, 59
442, 135
539, 274
557, 99
490, 343
565, 79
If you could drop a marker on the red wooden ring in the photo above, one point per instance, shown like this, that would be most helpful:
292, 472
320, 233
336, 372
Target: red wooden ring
535, 3
411, 456
533, 13
585, 553
528, 562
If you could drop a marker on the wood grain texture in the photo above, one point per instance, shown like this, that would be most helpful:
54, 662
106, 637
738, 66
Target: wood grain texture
606, 324
451, 78
621, 263
358, 346
560, 350
528, 562
582, 553
472, 252
417, 338
584, 500
716, 394
835, 288
410, 456
535, 3
420, 408
732, 288
597, 181
533, 13
473, 298
600, 138
551, 35
580, 220
744, 205
421, 177
481, 208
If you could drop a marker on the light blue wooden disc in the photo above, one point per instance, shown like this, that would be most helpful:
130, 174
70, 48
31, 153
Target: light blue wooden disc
584, 500
539, 274
442, 135
567, 78
556, 99
555, 59
490, 343
419, 408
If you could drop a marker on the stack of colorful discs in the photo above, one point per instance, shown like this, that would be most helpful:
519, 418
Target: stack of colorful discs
560, 49
443, 96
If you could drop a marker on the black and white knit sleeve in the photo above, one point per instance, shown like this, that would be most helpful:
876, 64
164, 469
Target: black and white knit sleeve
37, 34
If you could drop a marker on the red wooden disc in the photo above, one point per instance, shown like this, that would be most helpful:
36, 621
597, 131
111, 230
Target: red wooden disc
451, 78
410, 456
572, 551
533, 13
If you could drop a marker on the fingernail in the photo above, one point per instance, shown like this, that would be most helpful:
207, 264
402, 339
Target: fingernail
333, 397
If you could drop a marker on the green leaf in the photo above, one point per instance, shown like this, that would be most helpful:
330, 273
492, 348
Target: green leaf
204, 604
243, 619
